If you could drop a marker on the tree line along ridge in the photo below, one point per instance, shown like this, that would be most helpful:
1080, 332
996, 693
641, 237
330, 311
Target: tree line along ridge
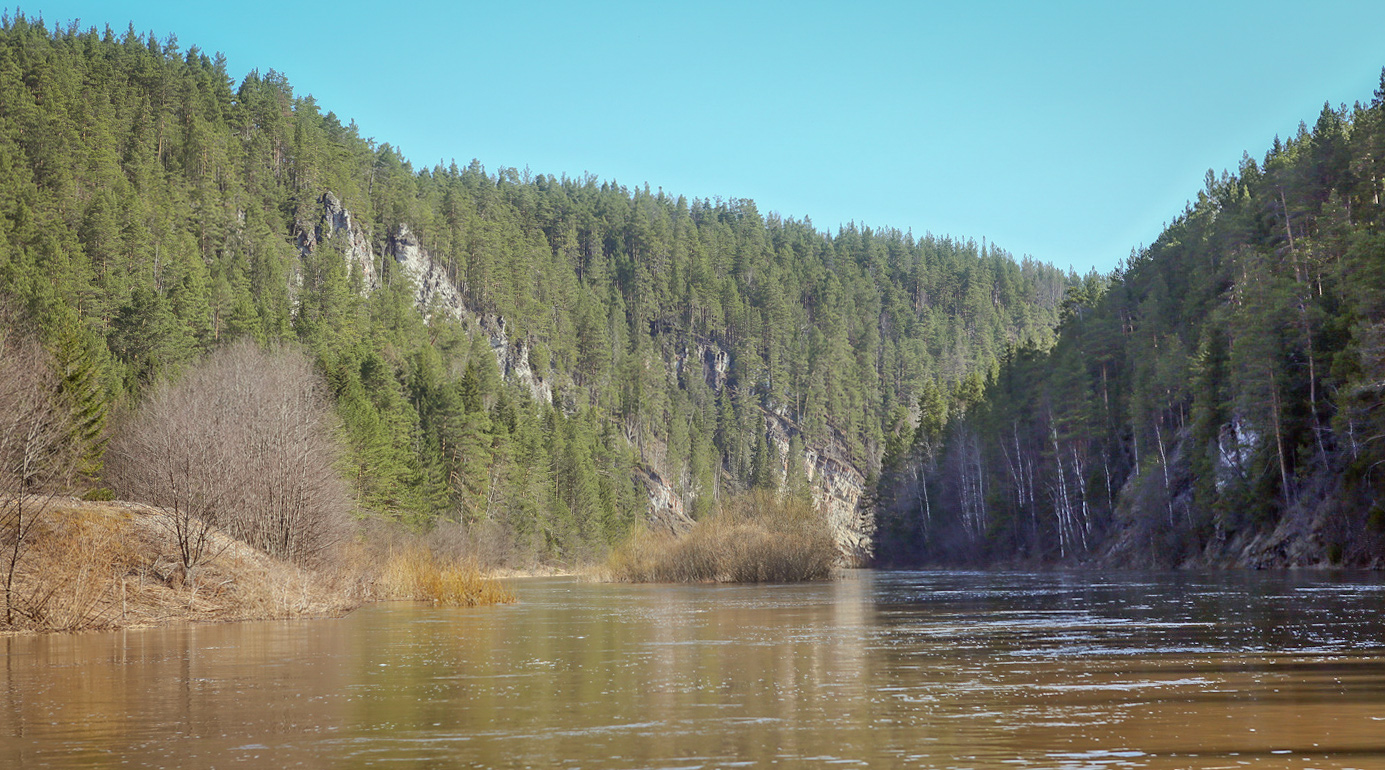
153, 211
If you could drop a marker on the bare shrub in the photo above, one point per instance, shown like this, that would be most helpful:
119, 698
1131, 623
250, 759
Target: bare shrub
36, 460
487, 543
756, 538
243, 443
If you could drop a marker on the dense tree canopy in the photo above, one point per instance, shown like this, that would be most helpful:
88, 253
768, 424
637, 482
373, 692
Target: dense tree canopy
1216, 399
151, 211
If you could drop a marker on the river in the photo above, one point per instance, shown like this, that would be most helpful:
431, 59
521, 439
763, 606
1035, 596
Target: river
879, 669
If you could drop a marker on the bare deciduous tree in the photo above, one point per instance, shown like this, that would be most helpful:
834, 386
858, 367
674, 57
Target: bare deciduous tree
35, 449
242, 443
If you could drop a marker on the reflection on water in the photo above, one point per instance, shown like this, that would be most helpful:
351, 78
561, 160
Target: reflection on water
1064, 670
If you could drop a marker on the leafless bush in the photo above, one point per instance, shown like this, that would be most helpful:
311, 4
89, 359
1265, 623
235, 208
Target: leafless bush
35, 448
242, 443
487, 543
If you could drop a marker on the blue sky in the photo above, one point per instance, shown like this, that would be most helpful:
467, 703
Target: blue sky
1066, 131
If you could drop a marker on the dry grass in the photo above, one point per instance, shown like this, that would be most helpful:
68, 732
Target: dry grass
102, 565
416, 572
757, 538
97, 565
87, 553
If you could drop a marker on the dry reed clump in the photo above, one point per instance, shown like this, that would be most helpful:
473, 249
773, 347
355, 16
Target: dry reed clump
756, 538
414, 571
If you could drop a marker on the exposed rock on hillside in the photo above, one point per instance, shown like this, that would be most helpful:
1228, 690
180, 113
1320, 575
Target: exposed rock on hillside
837, 486
836, 481
334, 222
666, 509
436, 290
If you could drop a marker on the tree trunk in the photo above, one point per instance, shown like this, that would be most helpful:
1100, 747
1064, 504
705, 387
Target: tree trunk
1164, 463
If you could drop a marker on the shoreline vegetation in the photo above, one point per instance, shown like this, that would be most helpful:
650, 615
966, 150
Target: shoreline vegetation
106, 565
109, 564
758, 537
232, 503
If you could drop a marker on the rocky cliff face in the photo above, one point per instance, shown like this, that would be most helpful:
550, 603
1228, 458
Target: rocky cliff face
837, 483
705, 358
513, 358
437, 292
666, 507
837, 486
1307, 538
1313, 532
331, 221
435, 289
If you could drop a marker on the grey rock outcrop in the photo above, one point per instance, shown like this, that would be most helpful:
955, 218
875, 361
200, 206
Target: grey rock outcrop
513, 359
435, 288
836, 482
666, 509
332, 221
705, 358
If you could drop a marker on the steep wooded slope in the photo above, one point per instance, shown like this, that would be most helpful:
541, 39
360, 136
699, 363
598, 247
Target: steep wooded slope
545, 354
1216, 400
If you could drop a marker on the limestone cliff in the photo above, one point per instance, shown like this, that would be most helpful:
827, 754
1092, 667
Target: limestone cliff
837, 485
331, 221
436, 291
1315, 531
836, 480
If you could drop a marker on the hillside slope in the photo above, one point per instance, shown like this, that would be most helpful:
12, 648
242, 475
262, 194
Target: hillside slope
556, 357
1215, 401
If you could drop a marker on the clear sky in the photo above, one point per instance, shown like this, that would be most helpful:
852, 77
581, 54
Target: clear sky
1063, 130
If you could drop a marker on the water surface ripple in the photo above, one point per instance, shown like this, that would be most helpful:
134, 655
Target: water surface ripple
881, 669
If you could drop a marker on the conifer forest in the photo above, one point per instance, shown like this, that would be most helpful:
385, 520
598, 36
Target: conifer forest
558, 361
553, 359
1216, 400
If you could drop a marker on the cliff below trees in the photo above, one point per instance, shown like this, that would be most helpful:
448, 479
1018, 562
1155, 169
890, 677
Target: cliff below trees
831, 477
1330, 523
543, 358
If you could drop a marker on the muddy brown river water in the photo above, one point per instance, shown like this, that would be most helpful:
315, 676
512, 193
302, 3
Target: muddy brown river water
880, 669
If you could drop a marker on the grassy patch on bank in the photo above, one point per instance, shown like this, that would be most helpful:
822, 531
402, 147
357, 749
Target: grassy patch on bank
755, 538
105, 565
101, 565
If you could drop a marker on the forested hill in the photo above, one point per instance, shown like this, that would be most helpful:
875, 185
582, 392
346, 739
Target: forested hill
584, 352
1217, 400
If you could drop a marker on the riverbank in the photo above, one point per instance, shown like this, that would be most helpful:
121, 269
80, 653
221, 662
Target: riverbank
106, 565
